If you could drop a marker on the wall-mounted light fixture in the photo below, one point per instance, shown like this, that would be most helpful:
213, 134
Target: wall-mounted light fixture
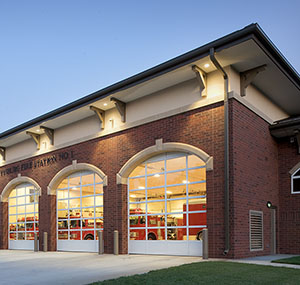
270, 205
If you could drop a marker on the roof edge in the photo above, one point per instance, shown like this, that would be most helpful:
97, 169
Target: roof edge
159, 70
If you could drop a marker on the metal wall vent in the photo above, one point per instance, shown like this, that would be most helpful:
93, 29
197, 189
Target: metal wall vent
256, 230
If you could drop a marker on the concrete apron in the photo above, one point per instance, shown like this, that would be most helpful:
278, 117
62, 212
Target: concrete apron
27, 267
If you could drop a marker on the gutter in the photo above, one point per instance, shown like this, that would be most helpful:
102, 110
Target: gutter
226, 150
290, 122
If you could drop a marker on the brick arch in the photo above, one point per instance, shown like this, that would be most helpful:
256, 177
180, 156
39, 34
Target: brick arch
75, 167
16, 181
294, 169
159, 148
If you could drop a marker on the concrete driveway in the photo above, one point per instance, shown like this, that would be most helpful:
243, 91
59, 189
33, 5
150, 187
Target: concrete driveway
26, 267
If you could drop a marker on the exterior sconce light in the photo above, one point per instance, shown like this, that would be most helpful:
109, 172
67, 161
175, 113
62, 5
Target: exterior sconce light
270, 206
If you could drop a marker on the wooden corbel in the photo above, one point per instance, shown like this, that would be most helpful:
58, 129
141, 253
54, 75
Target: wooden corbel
36, 139
100, 115
248, 76
49, 133
3, 153
201, 77
297, 136
121, 107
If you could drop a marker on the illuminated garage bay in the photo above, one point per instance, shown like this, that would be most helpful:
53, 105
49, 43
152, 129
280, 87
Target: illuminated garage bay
23, 216
79, 212
167, 205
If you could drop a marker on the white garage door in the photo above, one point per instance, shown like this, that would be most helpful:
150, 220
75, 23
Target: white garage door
79, 212
167, 205
23, 217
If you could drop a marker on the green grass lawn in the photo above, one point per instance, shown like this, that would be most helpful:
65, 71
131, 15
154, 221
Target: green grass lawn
291, 260
214, 272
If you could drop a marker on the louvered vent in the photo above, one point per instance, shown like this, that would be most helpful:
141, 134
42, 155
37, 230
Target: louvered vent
256, 230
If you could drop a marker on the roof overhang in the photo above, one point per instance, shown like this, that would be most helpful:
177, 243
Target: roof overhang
285, 128
243, 50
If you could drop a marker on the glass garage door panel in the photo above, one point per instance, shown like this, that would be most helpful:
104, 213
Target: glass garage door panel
23, 217
167, 205
79, 212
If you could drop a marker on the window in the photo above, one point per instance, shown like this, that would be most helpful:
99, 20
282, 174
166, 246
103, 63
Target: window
256, 230
296, 182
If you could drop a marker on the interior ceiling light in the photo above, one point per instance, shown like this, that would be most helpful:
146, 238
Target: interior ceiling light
169, 192
105, 104
156, 175
206, 65
185, 181
141, 187
132, 196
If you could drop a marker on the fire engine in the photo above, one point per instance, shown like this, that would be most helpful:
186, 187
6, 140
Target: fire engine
21, 227
75, 227
195, 219
139, 222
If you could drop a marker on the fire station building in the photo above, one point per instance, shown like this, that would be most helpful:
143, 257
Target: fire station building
207, 140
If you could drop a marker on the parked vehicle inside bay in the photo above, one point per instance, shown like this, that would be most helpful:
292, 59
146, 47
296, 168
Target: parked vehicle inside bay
174, 224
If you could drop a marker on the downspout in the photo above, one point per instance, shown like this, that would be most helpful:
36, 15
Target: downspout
226, 150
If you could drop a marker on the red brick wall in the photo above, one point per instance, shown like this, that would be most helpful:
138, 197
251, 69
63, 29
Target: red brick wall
202, 128
289, 204
254, 177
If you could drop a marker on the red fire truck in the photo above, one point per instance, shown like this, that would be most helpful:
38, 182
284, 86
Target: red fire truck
195, 219
75, 227
140, 221
21, 228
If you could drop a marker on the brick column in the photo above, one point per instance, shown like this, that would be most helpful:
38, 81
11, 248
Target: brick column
4, 225
47, 219
122, 218
109, 217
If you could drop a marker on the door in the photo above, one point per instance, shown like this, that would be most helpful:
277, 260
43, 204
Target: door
167, 205
23, 217
79, 212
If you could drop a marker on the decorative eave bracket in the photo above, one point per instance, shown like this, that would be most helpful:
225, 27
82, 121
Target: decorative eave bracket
297, 136
100, 115
121, 107
3, 153
49, 133
201, 77
248, 76
36, 138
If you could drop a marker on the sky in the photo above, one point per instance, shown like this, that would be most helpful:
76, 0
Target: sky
54, 52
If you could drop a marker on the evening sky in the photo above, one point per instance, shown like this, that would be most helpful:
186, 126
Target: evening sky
54, 52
